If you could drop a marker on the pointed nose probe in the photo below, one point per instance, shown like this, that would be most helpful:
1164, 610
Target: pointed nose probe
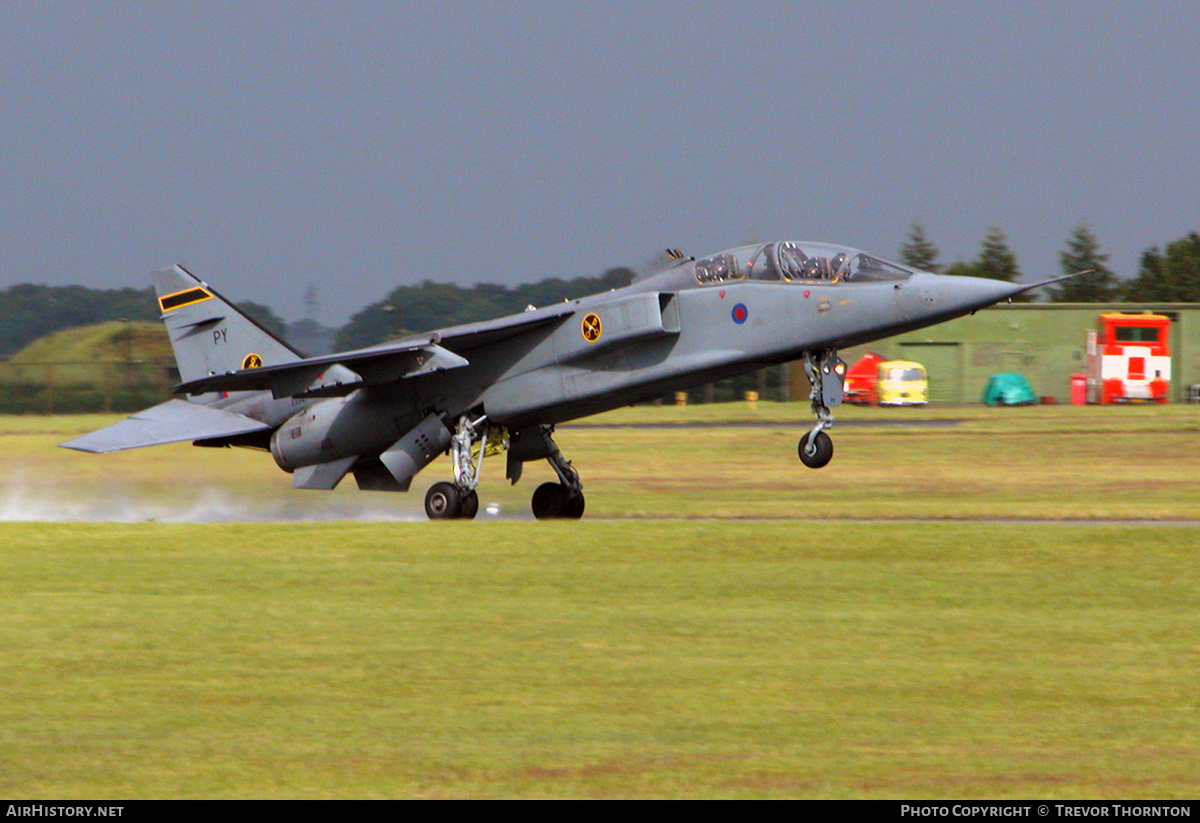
955, 295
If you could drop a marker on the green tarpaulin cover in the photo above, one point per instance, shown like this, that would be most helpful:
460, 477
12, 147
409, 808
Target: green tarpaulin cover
1009, 390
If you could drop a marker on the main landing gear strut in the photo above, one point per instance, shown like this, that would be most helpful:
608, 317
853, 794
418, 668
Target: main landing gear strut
825, 371
450, 501
475, 439
563, 499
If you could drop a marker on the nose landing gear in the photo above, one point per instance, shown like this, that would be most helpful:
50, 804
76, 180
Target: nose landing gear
825, 371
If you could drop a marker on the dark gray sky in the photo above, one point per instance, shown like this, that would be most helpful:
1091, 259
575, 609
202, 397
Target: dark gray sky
357, 146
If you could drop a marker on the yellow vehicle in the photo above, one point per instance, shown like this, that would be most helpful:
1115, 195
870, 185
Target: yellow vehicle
902, 383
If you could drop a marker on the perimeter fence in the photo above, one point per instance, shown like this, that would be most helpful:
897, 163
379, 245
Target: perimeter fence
78, 388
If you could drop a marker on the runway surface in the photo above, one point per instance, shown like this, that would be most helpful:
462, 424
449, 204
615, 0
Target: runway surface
770, 424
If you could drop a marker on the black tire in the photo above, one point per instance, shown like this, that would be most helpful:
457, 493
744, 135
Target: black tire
822, 454
573, 508
549, 501
443, 502
470, 506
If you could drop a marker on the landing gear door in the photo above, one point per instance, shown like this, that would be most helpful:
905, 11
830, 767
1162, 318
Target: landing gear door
833, 373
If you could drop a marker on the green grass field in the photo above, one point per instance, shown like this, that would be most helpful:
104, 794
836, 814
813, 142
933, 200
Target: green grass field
1055, 462
932, 615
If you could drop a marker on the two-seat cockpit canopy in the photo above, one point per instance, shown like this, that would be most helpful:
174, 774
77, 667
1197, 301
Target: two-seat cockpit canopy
797, 262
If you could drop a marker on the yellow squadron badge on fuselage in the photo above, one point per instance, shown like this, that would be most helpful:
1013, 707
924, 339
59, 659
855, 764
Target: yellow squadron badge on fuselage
591, 328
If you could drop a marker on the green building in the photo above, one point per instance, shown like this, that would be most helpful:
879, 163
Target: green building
1046, 342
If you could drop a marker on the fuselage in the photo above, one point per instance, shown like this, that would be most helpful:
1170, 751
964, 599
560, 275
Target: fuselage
696, 322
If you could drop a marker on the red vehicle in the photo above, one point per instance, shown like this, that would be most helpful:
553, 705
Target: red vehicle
862, 381
1129, 360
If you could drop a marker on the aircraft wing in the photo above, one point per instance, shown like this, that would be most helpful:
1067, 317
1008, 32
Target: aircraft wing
334, 374
172, 422
476, 335
339, 374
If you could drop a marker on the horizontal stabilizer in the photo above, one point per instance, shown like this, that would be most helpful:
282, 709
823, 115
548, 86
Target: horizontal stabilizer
334, 374
172, 422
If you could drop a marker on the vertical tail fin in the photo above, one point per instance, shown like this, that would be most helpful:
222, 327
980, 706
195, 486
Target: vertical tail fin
208, 334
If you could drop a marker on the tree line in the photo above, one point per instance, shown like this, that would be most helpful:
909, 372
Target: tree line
29, 311
413, 309
1170, 275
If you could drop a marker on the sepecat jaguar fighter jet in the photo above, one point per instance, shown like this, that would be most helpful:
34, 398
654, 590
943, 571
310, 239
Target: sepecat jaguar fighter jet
383, 413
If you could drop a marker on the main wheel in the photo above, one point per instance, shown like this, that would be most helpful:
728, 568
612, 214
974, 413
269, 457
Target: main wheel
443, 501
470, 505
821, 453
550, 500
573, 508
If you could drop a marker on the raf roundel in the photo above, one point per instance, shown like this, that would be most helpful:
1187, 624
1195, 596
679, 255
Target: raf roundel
740, 313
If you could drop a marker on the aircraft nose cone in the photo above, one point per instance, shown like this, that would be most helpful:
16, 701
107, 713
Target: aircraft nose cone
940, 295
977, 292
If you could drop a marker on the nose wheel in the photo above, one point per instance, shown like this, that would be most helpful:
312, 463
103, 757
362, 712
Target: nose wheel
815, 451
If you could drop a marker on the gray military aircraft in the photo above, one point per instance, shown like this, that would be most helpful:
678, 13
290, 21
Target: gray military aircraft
385, 412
